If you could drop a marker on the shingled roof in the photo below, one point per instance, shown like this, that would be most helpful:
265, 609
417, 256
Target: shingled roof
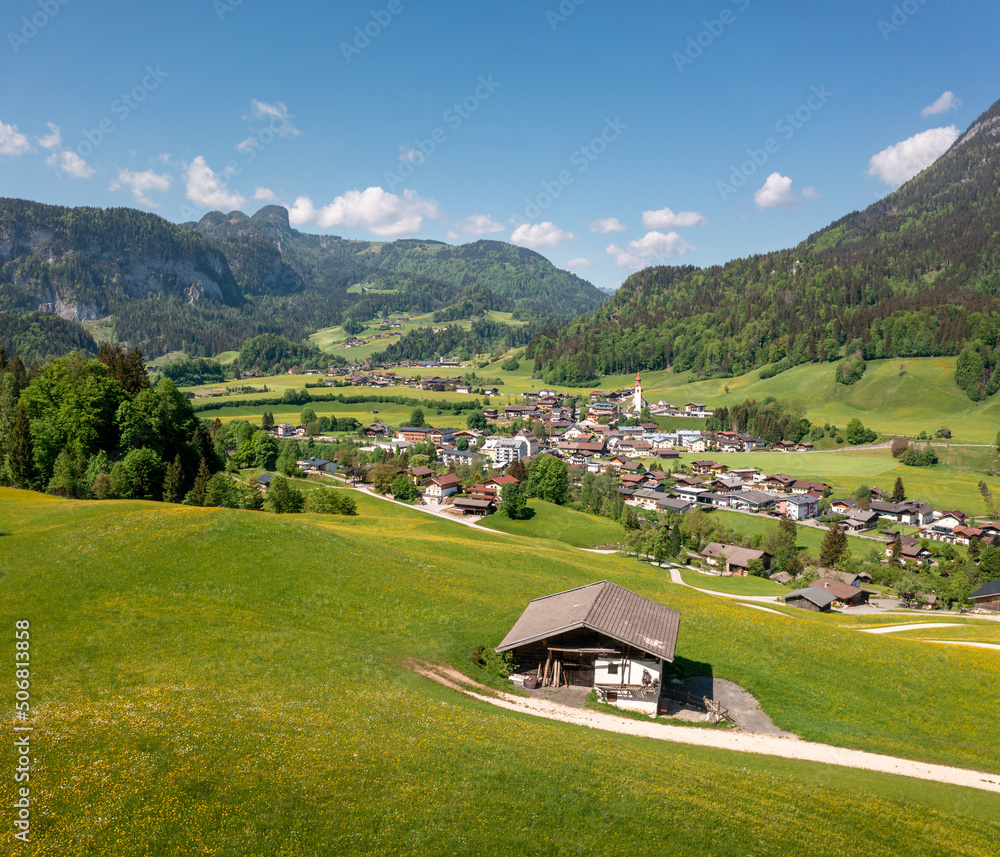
603, 607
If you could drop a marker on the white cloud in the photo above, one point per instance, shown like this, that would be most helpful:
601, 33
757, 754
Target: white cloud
902, 162
776, 193
278, 118
607, 225
140, 183
381, 213
12, 141
265, 193
411, 155
52, 140
810, 193
946, 102
667, 219
651, 246
206, 190
579, 262
71, 164
545, 234
478, 224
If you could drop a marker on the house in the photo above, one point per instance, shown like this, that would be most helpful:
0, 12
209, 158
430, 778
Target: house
645, 499
420, 475
811, 598
265, 480
318, 465
782, 577
689, 493
901, 513
440, 487
703, 468
671, 504
860, 521
378, 430
456, 456
440, 436
752, 501
987, 597
730, 559
779, 482
414, 434
504, 450
600, 636
848, 596
844, 506
474, 506
802, 486
801, 506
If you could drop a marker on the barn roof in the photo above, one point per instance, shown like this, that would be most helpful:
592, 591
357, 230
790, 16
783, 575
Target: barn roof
603, 607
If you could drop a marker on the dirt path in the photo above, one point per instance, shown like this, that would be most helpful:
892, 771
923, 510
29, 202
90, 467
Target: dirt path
919, 626
740, 742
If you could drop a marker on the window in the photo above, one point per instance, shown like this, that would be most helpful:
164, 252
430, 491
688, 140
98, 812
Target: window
613, 669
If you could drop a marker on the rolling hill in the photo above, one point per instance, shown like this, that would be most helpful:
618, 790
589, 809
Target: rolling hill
207, 288
916, 274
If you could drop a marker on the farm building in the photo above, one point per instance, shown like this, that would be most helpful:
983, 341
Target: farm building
601, 636
987, 597
811, 598
847, 595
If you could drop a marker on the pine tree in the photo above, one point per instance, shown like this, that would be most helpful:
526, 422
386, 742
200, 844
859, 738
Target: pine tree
898, 492
675, 540
834, 547
21, 457
196, 496
173, 482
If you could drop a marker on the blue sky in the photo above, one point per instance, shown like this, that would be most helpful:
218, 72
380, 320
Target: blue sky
606, 135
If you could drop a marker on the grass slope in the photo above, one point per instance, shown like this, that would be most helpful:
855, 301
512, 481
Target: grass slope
549, 521
234, 683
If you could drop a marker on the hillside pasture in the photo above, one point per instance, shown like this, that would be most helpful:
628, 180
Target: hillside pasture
213, 680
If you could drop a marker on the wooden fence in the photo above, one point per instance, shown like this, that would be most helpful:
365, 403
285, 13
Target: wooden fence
716, 710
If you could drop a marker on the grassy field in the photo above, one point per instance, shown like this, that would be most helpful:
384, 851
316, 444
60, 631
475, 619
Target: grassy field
948, 485
809, 538
364, 412
549, 521
733, 585
227, 682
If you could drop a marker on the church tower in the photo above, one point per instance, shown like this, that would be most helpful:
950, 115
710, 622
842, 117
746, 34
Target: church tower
637, 396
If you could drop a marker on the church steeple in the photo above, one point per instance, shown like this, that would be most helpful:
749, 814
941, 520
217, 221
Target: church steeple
637, 396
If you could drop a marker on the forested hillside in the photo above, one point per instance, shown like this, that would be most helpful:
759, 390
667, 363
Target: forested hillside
206, 288
916, 274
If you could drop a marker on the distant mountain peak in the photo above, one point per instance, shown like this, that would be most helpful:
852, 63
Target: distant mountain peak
274, 215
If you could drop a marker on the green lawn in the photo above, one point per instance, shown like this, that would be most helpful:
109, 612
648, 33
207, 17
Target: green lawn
733, 585
948, 485
549, 521
810, 538
213, 681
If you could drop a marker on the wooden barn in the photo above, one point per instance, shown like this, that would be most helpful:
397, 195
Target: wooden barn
987, 597
601, 636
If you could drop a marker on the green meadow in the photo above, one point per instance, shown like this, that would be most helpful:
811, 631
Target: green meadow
549, 521
216, 681
950, 484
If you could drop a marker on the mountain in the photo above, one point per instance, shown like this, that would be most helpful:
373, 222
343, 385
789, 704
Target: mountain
207, 287
915, 274
332, 263
77, 262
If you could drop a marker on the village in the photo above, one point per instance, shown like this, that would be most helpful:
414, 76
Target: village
612, 435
